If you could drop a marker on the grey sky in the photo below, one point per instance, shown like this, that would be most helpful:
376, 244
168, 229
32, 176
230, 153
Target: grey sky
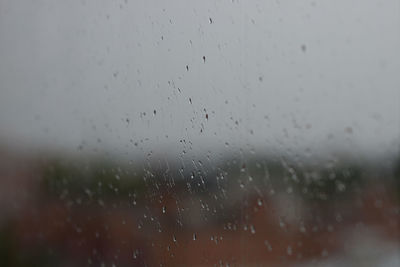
277, 74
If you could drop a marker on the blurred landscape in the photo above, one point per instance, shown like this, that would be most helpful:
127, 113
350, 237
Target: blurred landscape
242, 210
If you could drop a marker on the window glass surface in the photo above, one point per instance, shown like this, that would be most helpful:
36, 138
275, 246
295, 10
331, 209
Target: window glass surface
199, 133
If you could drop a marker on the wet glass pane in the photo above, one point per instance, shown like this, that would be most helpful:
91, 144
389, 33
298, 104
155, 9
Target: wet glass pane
199, 133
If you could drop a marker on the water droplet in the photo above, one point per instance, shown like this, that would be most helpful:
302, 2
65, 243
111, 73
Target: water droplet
289, 250
252, 229
194, 236
269, 247
135, 253
349, 130
341, 187
243, 169
339, 218
324, 253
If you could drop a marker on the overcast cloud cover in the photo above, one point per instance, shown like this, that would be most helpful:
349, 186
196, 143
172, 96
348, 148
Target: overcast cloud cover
276, 75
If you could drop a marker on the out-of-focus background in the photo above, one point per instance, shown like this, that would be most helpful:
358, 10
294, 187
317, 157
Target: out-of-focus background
199, 133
